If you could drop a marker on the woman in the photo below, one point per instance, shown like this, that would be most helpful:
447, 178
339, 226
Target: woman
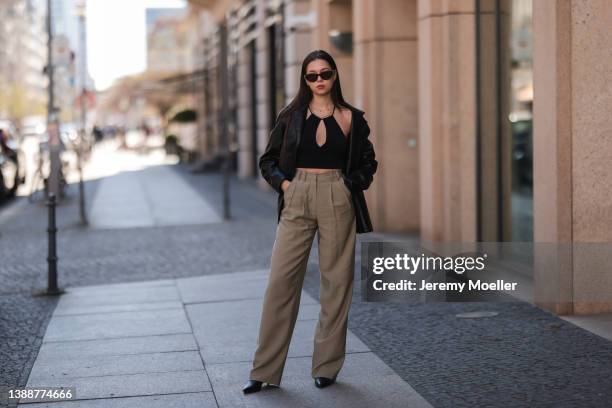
319, 160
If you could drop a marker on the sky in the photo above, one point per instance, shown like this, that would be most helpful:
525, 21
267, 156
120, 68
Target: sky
116, 37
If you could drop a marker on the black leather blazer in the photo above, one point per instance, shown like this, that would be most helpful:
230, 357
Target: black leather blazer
277, 163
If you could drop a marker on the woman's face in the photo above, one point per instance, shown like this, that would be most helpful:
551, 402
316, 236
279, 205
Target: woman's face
320, 86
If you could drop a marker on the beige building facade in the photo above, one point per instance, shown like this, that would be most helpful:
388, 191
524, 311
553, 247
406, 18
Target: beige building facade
489, 117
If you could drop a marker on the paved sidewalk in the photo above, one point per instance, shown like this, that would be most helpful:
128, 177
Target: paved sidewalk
188, 342
144, 192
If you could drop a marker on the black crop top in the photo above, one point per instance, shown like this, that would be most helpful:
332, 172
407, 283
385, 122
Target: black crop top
332, 154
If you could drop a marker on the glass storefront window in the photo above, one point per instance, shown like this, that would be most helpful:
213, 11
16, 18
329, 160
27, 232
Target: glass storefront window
504, 104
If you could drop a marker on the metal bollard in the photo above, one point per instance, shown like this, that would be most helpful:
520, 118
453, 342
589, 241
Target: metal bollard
52, 288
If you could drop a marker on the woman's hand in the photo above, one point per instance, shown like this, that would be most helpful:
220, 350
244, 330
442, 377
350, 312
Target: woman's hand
285, 185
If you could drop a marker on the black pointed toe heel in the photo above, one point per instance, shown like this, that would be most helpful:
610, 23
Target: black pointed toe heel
251, 386
322, 382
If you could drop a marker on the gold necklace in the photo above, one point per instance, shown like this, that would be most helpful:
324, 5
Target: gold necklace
326, 113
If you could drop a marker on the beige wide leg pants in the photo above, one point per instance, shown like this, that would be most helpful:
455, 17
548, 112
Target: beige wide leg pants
312, 202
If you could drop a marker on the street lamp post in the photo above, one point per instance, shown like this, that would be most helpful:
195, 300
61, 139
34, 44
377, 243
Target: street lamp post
225, 115
80, 11
52, 112
54, 156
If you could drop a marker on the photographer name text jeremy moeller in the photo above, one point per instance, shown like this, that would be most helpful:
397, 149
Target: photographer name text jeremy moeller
405, 284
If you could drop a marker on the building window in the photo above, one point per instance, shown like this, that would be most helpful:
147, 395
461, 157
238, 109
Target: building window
504, 114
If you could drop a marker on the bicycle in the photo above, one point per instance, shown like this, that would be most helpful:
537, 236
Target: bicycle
39, 188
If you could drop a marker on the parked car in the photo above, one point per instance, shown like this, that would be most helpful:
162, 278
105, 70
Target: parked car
12, 160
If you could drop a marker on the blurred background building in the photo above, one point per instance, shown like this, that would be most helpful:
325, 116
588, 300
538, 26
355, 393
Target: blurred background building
23, 55
168, 46
70, 56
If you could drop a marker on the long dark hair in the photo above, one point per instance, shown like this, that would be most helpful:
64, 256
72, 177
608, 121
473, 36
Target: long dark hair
304, 94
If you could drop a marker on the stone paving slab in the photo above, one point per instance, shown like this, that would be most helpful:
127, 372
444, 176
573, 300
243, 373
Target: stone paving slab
60, 367
233, 286
117, 324
177, 203
123, 286
187, 400
135, 199
131, 385
600, 324
75, 309
118, 347
117, 297
364, 382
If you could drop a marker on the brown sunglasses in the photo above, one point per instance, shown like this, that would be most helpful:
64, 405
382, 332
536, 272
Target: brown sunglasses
325, 75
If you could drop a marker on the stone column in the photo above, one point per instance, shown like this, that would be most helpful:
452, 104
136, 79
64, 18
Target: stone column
572, 150
262, 78
386, 88
244, 114
334, 16
299, 23
447, 120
